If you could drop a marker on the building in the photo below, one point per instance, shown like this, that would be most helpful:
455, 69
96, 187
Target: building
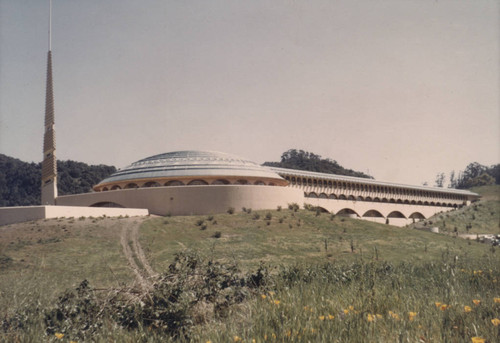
203, 182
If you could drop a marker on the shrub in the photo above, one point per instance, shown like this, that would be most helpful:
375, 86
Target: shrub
217, 234
279, 208
200, 222
293, 207
269, 216
230, 210
256, 216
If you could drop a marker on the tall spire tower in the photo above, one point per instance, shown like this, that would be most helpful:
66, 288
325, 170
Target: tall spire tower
49, 164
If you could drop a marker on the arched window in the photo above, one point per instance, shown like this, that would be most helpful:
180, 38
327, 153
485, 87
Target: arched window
151, 184
197, 183
174, 183
220, 182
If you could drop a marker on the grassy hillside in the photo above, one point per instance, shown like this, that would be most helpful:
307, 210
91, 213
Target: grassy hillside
482, 217
326, 279
294, 237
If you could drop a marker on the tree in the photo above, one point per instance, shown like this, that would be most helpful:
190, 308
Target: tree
440, 179
304, 160
453, 181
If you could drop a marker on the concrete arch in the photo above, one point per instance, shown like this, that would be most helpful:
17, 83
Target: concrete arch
115, 187
360, 198
197, 182
368, 199
312, 195
131, 185
241, 182
259, 183
323, 196
351, 197
342, 197
347, 212
396, 214
105, 189
416, 215
174, 183
220, 182
376, 199
392, 201
384, 200
399, 201
332, 196
373, 214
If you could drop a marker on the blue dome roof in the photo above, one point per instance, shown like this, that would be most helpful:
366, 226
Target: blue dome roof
191, 163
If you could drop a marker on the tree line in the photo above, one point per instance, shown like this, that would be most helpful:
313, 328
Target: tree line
304, 160
20, 182
475, 174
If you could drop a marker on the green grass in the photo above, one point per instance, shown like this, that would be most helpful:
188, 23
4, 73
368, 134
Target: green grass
303, 237
315, 276
482, 217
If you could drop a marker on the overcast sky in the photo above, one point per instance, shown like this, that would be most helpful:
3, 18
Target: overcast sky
400, 89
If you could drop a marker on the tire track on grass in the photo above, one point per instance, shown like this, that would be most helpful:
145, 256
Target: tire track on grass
129, 239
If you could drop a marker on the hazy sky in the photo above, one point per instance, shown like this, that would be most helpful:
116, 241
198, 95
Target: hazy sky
403, 89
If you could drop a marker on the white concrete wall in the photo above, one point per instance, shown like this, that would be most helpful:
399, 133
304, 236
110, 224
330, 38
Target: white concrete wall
11, 215
189, 200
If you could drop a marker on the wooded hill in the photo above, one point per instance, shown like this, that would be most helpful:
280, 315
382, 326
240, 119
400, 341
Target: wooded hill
20, 181
304, 160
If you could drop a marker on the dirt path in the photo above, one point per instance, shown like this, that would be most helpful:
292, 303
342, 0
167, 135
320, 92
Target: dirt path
129, 239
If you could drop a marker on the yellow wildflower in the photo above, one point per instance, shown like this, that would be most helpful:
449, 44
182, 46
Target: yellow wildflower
276, 302
379, 316
467, 309
478, 340
412, 315
330, 317
394, 315
274, 336
209, 341
495, 321
496, 300
438, 304
59, 335
351, 308
476, 301
236, 339
444, 307
253, 340
263, 296
370, 317
346, 311
321, 317
271, 293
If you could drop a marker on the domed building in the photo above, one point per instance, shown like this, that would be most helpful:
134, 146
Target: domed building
190, 168
190, 182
